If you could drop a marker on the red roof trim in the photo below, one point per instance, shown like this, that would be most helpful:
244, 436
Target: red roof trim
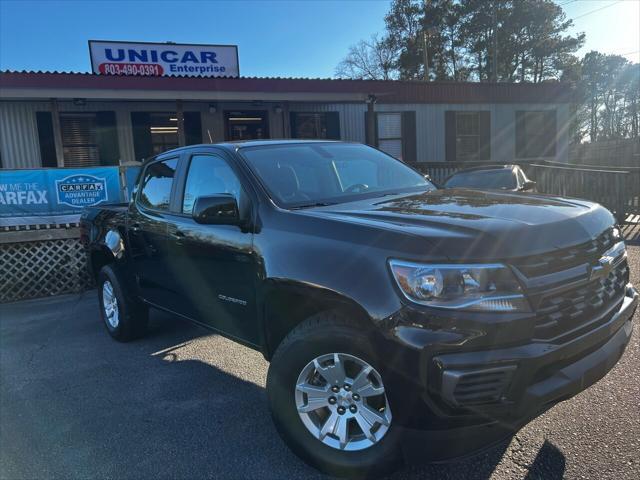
386, 91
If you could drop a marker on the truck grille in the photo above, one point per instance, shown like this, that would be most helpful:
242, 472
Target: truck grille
566, 258
565, 312
568, 311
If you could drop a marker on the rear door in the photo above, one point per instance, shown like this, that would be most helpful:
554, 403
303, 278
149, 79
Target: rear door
147, 231
214, 265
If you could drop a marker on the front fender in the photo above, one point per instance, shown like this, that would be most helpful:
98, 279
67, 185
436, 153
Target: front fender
286, 303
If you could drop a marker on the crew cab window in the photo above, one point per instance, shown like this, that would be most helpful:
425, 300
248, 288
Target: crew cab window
155, 188
209, 175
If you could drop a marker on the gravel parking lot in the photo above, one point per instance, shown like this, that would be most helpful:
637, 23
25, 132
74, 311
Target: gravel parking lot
185, 403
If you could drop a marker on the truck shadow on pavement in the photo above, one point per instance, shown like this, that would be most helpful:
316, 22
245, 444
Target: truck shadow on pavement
171, 405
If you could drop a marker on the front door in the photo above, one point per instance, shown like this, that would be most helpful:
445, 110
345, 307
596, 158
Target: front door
147, 232
246, 125
214, 264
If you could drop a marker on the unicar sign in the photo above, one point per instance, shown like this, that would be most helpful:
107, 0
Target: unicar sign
163, 59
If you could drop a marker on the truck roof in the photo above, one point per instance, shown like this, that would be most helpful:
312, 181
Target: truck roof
262, 143
236, 145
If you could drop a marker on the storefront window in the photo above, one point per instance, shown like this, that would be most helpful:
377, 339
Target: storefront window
319, 125
157, 132
164, 132
247, 125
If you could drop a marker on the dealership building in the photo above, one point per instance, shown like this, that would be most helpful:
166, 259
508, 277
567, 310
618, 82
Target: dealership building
52, 119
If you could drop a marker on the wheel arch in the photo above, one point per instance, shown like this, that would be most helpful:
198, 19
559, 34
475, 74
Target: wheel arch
109, 249
99, 256
286, 306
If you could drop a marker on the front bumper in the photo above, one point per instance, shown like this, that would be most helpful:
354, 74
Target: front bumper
538, 375
526, 379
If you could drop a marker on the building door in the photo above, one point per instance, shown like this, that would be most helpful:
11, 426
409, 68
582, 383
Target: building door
246, 125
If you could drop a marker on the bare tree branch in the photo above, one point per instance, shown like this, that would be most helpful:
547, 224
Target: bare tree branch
372, 59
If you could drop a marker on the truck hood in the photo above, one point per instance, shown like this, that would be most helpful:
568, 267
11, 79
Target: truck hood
467, 224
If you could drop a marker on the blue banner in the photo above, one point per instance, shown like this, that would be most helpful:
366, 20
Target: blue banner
56, 195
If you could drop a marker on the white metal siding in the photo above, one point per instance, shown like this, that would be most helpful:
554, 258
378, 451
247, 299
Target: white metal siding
20, 149
430, 129
19, 144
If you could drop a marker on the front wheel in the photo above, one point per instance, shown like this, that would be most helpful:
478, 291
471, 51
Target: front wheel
328, 399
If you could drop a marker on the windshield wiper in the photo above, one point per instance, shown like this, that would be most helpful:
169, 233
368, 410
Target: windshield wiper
317, 204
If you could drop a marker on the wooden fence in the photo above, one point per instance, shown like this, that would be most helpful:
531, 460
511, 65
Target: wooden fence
622, 152
618, 189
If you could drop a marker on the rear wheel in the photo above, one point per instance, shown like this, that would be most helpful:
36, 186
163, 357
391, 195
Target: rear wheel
328, 399
124, 316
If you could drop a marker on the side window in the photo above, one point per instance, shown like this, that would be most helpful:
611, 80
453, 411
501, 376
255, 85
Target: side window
390, 134
208, 175
155, 188
536, 134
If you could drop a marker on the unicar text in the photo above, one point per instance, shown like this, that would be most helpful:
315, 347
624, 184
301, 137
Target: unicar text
154, 56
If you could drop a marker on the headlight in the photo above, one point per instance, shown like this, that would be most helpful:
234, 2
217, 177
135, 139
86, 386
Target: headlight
478, 287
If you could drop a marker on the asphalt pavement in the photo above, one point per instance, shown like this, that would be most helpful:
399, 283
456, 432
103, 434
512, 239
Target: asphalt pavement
185, 403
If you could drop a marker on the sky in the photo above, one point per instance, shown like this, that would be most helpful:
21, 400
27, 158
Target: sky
275, 38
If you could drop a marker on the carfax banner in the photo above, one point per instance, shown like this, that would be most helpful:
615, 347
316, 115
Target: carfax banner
32, 197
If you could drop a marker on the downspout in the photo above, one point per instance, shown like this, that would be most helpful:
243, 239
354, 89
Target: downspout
371, 121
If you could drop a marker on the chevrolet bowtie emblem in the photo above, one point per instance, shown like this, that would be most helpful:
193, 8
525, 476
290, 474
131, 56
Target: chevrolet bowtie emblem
602, 269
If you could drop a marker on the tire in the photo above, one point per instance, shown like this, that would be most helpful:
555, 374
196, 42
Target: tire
127, 318
321, 337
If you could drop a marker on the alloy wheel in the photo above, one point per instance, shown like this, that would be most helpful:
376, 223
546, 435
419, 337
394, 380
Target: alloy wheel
110, 305
341, 400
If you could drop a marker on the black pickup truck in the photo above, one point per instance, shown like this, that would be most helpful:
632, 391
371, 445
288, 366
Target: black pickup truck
400, 320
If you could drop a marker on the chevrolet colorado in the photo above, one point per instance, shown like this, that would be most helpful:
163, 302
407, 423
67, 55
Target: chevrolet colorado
400, 320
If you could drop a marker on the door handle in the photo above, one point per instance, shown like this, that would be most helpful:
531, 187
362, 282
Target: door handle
178, 236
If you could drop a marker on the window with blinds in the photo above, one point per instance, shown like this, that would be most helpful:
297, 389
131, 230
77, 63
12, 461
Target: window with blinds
390, 134
467, 135
79, 140
88, 139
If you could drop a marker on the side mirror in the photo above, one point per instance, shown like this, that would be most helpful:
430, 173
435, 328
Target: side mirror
529, 185
219, 209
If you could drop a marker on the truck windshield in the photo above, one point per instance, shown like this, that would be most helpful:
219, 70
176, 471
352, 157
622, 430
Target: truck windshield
309, 174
